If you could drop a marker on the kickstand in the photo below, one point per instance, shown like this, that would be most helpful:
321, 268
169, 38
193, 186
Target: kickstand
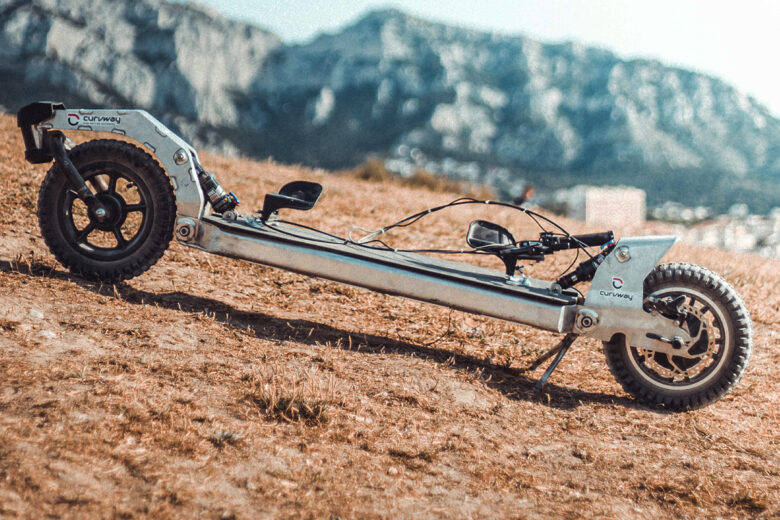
560, 349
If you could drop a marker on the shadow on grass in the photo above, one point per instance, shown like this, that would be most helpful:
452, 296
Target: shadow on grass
512, 382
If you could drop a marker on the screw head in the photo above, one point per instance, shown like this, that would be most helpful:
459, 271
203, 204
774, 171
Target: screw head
100, 212
186, 229
180, 157
586, 320
622, 254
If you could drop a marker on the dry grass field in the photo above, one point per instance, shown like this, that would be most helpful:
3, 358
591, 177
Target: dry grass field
212, 388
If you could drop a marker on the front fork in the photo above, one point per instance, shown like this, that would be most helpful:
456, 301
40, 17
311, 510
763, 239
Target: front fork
59, 145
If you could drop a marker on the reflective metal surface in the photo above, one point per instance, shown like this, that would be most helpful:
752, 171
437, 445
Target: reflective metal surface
634, 324
159, 140
613, 304
455, 285
619, 280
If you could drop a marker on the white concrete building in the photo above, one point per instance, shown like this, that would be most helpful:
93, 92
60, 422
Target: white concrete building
606, 205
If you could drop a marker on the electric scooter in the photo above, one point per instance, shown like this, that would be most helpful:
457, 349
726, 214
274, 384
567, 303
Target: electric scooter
676, 336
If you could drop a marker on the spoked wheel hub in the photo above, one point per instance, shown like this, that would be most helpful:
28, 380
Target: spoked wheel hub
128, 224
117, 222
109, 213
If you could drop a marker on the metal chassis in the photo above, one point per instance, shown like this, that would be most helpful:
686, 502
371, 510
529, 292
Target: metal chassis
612, 309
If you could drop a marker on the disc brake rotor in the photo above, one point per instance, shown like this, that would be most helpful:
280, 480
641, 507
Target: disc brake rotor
689, 363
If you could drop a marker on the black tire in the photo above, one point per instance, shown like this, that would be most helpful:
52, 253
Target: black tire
138, 197
716, 315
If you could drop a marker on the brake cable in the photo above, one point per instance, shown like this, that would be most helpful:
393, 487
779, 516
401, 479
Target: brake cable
370, 240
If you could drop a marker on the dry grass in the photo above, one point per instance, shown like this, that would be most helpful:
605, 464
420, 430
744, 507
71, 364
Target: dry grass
291, 397
213, 388
373, 170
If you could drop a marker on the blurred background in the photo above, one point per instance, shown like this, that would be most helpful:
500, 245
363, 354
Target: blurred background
712, 37
665, 109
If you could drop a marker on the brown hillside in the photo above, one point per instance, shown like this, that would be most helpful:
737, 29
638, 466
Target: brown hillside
213, 388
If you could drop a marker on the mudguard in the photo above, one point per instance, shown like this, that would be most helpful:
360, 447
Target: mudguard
177, 157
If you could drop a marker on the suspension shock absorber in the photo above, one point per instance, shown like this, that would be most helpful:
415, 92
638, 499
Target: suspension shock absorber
220, 200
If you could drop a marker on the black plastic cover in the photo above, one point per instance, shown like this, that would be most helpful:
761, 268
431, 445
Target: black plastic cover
30, 115
302, 195
595, 239
37, 112
488, 236
559, 243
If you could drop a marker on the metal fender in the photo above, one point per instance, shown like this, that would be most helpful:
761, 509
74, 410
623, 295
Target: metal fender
176, 155
619, 280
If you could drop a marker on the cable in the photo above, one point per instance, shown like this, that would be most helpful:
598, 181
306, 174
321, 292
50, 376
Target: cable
385, 247
412, 219
337, 238
570, 265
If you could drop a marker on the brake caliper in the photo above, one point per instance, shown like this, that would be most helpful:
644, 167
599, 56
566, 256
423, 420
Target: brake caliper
688, 318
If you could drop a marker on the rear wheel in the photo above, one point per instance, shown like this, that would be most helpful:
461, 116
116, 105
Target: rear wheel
136, 224
713, 314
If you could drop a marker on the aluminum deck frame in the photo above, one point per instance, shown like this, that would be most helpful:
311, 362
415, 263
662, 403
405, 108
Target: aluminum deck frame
452, 284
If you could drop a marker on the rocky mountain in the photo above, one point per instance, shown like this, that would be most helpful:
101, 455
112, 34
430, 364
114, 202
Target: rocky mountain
471, 104
182, 62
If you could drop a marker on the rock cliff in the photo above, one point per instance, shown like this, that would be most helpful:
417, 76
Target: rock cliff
469, 104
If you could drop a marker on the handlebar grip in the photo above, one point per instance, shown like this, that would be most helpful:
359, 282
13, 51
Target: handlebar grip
595, 239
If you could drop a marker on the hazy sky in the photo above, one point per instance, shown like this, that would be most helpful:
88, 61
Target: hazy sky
736, 40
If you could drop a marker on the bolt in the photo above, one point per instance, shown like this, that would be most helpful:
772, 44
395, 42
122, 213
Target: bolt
622, 254
186, 229
100, 213
587, 319
586, 322
180, 157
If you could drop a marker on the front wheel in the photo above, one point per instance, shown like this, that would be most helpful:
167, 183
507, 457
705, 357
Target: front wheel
139, 211
714, 315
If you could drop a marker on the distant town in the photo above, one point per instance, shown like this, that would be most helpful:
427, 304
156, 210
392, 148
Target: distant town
737, 230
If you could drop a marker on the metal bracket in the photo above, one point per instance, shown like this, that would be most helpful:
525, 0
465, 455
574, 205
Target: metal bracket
186, 230
615, 301
642, 329
176, 155
619, 280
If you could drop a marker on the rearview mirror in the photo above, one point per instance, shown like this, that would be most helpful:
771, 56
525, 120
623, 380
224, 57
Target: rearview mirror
489, 237
302, 195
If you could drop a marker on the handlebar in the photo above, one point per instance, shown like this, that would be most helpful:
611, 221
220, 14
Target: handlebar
595, 239
575, 241
510, 251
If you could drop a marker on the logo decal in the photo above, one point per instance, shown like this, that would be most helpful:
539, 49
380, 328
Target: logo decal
102, 120
73, 119
619, 295
617, 283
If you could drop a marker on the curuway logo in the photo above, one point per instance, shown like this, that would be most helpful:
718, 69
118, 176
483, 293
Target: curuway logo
617, 283
615, 294
75, 119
